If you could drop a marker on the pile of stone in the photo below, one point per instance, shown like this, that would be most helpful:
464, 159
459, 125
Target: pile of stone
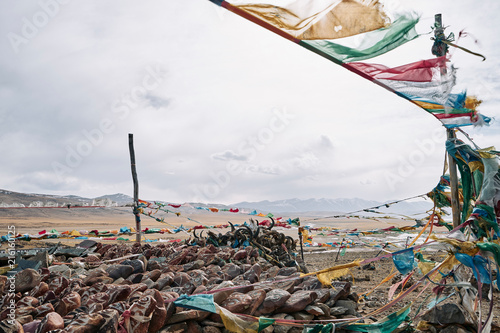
109, 290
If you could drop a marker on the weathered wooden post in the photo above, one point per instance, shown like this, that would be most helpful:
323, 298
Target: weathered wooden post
440, 49
136, 188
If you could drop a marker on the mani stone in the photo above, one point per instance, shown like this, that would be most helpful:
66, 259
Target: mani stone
274, 299
258, 296
111, 321
52, 321
137, 264
298, 301
348, 304
26, 280
11, 327
232, 270
237, 302
119, 271
448, 313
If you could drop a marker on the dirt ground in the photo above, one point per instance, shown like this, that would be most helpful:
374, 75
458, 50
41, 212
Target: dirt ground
362, 246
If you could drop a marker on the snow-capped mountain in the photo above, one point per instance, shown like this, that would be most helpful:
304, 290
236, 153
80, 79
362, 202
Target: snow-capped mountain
341, 205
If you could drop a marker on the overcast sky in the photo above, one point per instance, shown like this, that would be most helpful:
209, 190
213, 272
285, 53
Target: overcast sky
221, 110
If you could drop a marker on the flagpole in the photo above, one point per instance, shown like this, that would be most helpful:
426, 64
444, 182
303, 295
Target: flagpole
439, 50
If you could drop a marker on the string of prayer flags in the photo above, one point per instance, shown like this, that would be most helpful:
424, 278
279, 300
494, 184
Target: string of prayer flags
329, 28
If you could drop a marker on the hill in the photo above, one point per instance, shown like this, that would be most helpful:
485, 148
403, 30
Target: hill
17, 199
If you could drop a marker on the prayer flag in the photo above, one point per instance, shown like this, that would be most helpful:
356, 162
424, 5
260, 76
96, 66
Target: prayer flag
321, 19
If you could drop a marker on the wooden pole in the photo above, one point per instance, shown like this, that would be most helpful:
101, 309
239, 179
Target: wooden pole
136, 188
455, 201
440, 49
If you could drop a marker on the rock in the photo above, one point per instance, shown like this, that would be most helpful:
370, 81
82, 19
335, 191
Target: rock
49, 296
323, 295
188, 315
153, 264
8, 326
198, 278
87, 244
28, 301
282, 328
287, 271
210, 329
340, 290
257, 297
211, 323
98, 298
25, 311
52, 321
135, 278
26, 280
84, 323
338, 311
199, 290
350, 305
448, 313
119, 271
241, 254
197, 264
274, 299
175, 328
70, 252
24, 319
58, 284
154, 275
68, 303
144, 307
119, 293
165, 280
453, 329
111, 321
32, 326
159, 313
301, 315
298, 301
253, 273
220, 296
103, 278
137, 264
285, 285
42, 258
311, 283
316, 310
150, 283
193, 327
237, 302
119, 306
40, 290
183, 281
232, 270
63, 270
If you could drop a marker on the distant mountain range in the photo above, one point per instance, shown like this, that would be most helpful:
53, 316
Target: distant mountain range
311, 206
340, 205
16, 199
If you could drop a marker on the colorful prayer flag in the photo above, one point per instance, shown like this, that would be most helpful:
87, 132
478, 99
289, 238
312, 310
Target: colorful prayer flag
321, 19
